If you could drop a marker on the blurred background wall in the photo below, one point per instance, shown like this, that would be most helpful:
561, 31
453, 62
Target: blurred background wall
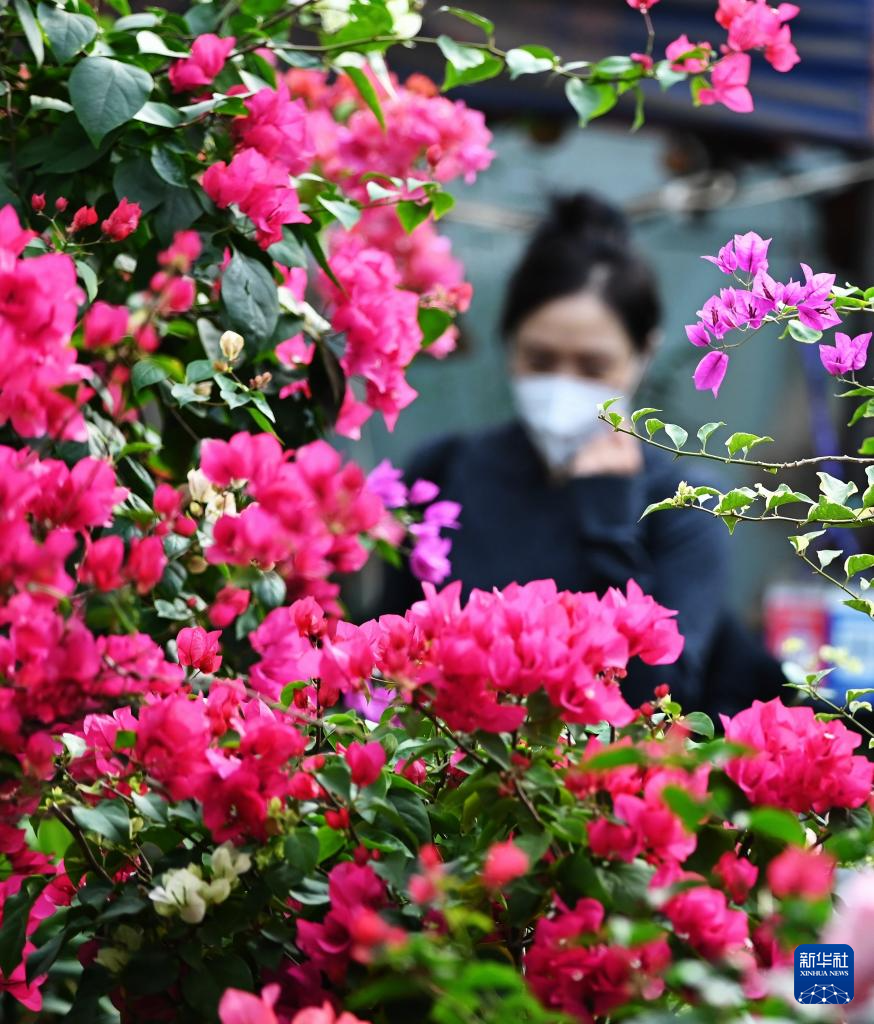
797, 170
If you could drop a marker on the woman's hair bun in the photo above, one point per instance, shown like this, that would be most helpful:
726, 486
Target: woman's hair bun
584, 242
582, 214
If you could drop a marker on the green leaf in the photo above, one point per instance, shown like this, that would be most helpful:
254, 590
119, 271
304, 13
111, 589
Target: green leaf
67, 33
106, 93
676, 434
802, 541
367, 92
658, 506
689, 810
16, 911
169, 166
705, 432
434, 323
50, 103
302, 851
151, 42
31, 30
441, 203
590, 100
411, 214
699, 723
136, 180
742, 442
145, 373
289, 252
330, 841
178, 210
640, 413
132, 22
125, 739
160, 114
200, 369
53, 837
829, 511
348, 214
858, 605
615, 757
615, 67
108, 819
521, 61
784, 495
776, 824
739, 498
666, 76
87, 276
40, 960
653, 426
487, 26
461, 57
249, 295
857, 563
269, 588
837, 491
806, 335
489, 68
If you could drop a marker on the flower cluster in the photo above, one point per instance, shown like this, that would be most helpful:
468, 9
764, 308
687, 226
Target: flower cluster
751, 25
305, 517
760, 299
798, 762
39, 300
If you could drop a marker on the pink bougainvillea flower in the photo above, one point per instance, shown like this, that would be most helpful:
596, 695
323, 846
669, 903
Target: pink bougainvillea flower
324, 1014
123, 220
702, 918
365, 762
643, 59
102, 563
146, 563
748, 253
804, 873
846, 355
239, 1007
641, 5
697, 334
230, 602
505, 862
728, 84
84, 217
710, 372
208, 56
105, 324
199, 649
737, 874
682, 45
797, 762
262, 190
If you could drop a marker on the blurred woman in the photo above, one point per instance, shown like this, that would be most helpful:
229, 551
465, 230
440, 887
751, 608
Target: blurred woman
556, 492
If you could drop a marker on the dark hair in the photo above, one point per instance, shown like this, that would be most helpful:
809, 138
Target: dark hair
584, 242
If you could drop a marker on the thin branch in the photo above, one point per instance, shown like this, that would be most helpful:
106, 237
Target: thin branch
727, 460
81, 842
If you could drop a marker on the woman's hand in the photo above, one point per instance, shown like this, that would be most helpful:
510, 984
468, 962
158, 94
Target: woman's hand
611, 454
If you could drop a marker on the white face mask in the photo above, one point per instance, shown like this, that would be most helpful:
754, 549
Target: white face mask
560, 413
